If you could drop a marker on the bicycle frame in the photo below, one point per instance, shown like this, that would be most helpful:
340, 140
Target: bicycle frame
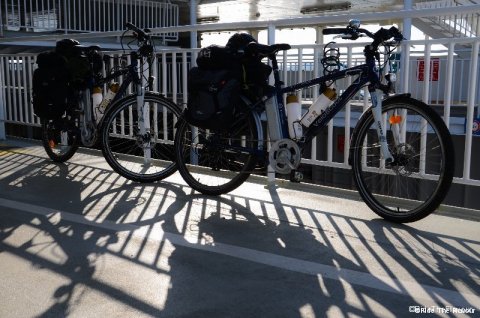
366, 75
131, 76
133, 73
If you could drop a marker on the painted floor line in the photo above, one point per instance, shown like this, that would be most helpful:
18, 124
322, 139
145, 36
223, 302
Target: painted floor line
383, 283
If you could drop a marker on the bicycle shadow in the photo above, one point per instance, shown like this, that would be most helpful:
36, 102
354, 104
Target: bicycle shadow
206, 281
441, 263
243, 288
73, 249
253, 282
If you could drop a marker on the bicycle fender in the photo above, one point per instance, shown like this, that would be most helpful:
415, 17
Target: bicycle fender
396, 96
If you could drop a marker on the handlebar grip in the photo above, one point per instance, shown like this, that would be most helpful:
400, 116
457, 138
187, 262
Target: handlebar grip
396, 34
141, 34
335, 31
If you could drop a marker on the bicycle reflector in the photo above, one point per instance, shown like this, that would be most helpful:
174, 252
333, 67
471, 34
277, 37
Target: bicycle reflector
395, 119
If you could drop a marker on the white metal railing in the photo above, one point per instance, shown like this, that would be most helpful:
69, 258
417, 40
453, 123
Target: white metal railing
87, 15
458, 25
451, 84
173, 64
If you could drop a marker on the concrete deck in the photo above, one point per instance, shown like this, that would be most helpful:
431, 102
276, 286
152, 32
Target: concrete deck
78, 240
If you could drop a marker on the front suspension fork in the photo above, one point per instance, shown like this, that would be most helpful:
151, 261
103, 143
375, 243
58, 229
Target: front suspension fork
143, 112
376, 96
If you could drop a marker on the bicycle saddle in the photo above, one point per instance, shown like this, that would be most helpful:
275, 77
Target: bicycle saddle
266, 50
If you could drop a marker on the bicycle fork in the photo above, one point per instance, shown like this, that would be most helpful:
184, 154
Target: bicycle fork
143, 112
144, 125
376, 96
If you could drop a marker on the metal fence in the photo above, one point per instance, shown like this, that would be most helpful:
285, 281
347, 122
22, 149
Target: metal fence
458, 25
87, 15
448, 82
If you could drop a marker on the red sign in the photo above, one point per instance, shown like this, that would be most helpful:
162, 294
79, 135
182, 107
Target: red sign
434, 69
341, 143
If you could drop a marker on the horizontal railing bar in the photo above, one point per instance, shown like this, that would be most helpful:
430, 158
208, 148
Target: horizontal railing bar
303, 21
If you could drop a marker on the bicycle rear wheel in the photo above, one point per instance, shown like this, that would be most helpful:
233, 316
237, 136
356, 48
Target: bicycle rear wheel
418, 180
137, 156
60, 138
217, 162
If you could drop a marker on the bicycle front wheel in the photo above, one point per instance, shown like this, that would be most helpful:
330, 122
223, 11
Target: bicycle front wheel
217, 162
60, 138
418, 180
137, 150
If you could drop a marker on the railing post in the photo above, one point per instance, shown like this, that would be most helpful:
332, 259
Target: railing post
407, 22
407, 33
405, 68
426, 73
477, 24
1, 20
271, 40
448, 85
470, 110
193, 21
2, 100
65, 16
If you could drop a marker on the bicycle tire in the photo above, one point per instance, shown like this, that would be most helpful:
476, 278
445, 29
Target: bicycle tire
217, 162
417, 182
122, 145
57, 148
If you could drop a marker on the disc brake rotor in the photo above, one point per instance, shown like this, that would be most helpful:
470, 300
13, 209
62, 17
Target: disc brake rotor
405, 163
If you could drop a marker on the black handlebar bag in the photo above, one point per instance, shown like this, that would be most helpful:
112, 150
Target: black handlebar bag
213, 96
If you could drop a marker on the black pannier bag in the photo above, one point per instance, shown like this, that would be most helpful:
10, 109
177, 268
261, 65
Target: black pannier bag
213, 96
59, 75
215, 57
223, 73
254, 73
50, 86
78, 65
238, 42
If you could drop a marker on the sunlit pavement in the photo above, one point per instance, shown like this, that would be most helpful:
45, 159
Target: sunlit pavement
78, 240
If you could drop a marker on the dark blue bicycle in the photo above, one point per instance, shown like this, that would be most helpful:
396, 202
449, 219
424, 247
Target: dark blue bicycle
136, 130
401, 152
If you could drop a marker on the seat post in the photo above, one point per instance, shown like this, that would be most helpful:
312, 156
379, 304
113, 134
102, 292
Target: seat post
276, 73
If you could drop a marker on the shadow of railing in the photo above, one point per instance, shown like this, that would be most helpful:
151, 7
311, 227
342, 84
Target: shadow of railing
212, 251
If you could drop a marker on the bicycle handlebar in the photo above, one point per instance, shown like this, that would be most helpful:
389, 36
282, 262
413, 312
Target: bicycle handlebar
141, 34
378, 37
144, 39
